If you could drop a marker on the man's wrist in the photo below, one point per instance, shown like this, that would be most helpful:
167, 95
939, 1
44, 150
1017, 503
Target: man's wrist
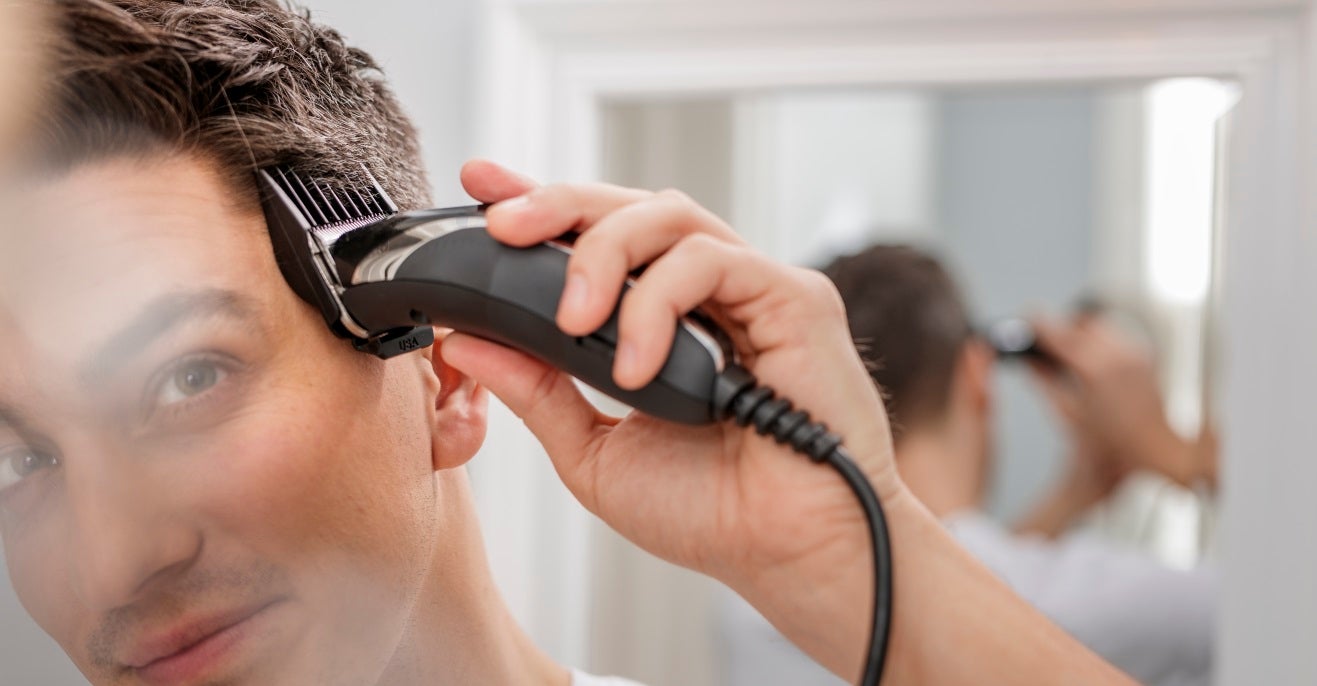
1166, 452
824, 603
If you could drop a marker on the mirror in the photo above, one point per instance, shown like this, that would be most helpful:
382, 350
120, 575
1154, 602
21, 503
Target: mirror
1036, 198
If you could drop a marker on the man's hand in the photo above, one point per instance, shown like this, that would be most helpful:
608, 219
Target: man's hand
786, 534
1106, 392
717, 499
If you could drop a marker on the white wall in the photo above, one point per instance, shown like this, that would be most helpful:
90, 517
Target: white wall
1017, 183
1268, 548
427, 51
819, 172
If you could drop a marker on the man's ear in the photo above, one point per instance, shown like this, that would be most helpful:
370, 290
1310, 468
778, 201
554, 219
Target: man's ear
459, 411
974, 368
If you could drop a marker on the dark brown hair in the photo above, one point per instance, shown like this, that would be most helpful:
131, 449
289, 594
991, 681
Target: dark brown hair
244, 83
910, 324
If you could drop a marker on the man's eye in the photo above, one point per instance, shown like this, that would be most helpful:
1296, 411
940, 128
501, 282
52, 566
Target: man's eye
19, 463
188, 381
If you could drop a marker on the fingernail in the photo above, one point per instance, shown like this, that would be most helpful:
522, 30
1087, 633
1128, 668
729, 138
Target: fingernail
576, 294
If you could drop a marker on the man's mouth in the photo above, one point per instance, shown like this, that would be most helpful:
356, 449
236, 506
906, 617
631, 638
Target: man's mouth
196, 648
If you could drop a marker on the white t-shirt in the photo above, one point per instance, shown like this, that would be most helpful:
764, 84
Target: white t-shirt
1154, 622
583, 679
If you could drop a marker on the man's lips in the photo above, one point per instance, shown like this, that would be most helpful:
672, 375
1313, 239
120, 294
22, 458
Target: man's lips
187, 650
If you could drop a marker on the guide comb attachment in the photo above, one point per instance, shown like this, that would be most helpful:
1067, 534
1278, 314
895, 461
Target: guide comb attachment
331, 212
305, 220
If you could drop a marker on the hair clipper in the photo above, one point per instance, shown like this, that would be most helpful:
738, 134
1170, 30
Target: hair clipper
383, 279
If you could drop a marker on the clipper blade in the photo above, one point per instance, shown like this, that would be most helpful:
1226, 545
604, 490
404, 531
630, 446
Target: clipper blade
331, 213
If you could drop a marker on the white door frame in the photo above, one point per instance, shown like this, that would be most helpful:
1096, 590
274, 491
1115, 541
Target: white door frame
549, 64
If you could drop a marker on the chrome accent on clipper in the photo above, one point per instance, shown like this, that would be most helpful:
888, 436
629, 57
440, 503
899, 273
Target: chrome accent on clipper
325, 266
383, 262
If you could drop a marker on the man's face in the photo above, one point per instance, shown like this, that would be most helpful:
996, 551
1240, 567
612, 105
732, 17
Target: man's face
198, 484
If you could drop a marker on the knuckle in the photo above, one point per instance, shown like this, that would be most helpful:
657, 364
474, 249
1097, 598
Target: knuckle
554, 198
821, 292
699, 242
694, 246
696, 218
554, 191
676, 197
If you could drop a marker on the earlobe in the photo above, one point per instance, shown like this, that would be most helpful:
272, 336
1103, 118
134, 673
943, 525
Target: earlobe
460, 412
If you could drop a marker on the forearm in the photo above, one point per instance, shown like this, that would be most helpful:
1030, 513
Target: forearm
953, 622
1187, 463
1049, 518
1056, 512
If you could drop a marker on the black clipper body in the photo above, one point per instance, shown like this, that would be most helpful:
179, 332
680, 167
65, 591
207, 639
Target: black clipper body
383, 279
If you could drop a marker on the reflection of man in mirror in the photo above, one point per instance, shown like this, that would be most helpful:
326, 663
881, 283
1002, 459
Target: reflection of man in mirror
198, 483
906, 312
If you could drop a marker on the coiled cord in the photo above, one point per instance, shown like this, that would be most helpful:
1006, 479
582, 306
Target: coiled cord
740, 398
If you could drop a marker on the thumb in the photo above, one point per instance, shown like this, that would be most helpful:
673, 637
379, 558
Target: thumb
546, 399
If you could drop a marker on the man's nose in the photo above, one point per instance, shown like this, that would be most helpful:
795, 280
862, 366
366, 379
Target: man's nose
124, 535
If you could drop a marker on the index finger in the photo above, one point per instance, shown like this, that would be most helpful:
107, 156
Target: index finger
490, 182
552, 211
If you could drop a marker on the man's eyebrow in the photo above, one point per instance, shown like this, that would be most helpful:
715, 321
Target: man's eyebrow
11, 418
163, 316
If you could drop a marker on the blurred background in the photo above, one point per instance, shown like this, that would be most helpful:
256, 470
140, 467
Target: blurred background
1144, 152
1038, 197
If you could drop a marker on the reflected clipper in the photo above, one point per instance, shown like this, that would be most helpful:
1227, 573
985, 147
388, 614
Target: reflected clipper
1014, 339
382, 278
